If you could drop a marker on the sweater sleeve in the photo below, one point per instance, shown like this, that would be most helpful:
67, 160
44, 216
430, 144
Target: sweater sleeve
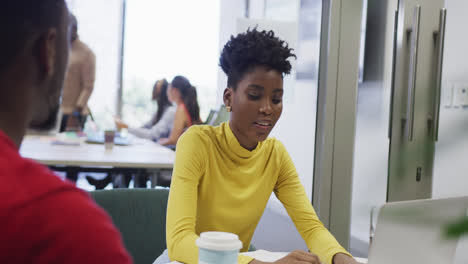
160, 129
182, 205
242, 259
291, 193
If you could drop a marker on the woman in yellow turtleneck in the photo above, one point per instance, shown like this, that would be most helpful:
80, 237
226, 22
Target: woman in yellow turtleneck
224, 176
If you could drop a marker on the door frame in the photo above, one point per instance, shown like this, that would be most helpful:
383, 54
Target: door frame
336, 115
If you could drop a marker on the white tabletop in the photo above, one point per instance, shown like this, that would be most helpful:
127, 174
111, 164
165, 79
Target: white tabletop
268, 256
141, 153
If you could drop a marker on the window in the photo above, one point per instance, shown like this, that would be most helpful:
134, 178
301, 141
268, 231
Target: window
164, 39
99, 26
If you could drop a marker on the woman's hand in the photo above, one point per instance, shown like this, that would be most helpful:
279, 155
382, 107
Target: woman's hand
295, 257
162, 141
120, 124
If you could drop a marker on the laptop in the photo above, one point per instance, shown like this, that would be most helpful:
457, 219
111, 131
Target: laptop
413, 232
98, 138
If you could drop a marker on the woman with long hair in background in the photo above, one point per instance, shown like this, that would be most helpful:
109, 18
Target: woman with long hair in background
159, 126
161, 123
184, 95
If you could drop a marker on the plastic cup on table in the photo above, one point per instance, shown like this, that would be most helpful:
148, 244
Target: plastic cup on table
218, 248
109, 136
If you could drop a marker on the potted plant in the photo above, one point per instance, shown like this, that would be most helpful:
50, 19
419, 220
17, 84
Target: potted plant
457, 229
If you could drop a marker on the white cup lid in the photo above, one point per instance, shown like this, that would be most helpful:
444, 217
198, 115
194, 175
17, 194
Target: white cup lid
219, 241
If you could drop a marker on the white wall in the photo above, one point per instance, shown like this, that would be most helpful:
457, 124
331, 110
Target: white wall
230, 12
456, 41
451, 166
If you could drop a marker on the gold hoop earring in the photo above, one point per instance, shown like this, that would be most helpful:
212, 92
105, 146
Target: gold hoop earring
228, 108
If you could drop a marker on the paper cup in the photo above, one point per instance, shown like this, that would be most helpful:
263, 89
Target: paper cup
218, 248
109, 136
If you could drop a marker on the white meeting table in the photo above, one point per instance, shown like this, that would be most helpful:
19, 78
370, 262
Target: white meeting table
140, 156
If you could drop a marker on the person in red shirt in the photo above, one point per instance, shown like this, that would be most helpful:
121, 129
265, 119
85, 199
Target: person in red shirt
42, 218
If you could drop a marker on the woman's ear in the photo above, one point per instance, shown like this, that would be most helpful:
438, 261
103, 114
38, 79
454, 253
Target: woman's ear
227, 96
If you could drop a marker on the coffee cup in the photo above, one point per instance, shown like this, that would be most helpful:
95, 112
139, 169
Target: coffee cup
109, 136
218, 248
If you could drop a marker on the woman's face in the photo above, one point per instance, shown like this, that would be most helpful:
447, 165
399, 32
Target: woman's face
172, 94
256, 105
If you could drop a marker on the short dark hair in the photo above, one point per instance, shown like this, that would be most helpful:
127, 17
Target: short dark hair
254, 48
20, 20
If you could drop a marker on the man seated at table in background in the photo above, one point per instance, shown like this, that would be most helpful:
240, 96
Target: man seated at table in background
79, 82
42, 218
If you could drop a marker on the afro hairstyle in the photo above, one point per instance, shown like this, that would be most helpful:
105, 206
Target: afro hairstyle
254, 48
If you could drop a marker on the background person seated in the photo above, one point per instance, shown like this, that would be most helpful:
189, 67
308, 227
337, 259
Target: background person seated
184, 95
161, 124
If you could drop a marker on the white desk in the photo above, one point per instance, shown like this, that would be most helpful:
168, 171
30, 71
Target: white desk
268, 256
143, 154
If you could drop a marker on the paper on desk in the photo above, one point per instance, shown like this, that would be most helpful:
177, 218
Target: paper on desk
263, 255
268, 256
67, 139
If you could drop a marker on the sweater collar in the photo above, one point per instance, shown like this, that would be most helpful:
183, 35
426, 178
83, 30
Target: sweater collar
234, 145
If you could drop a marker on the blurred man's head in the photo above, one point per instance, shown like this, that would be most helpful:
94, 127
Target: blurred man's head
33, 57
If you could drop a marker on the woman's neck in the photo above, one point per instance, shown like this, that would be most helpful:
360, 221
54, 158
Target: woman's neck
242, 138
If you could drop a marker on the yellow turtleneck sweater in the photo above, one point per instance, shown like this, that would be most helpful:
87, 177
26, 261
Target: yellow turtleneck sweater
217, 185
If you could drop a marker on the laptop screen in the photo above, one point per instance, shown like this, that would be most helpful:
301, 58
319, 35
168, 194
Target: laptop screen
414, 231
